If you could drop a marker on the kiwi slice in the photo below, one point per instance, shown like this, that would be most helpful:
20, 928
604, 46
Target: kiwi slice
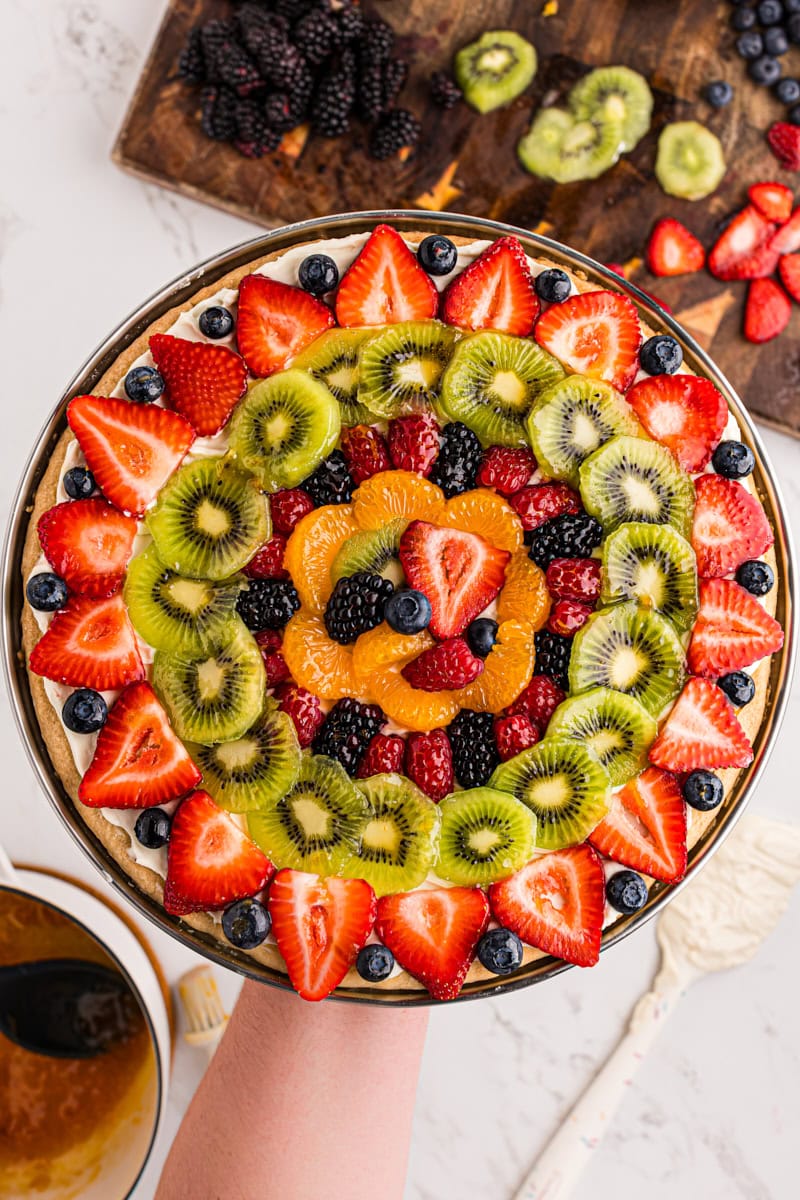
216, 696
689, 161
564, 785
397, 836
314, 825
560, 148
253, 771
572, 419
618, 94
654, 565
332, 358
284, 427
493, 382
486, 835
209, 520
633, 479
632, 650
495, 69
613, 725
372, 550
401, 367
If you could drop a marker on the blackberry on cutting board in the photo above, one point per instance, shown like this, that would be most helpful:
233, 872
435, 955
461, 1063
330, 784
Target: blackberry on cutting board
552, 657
444, 91
396, 130
459, 458
267, 604
351, 22
377, 41
254, 137
278, 112
473, 747
218, 119
573, 535
317, 35
395, 74
369, 92
356, 605
331, 483
347, 730
192, 63
332, 104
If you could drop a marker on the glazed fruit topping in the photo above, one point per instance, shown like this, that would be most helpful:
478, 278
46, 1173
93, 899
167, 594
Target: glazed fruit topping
365, 451
288, 507
661, 355
732, 630
673, 250
90, 643
444, 667
506, 468
275, 322
204, 382
356, 605
542, 501
385, 284
267, 563
384, 756
595, 334
756, 577
539, 701
646, 827
703, 790
701, 731
734, 460
683, 412
414, 442
626, 891
567, 617
574, 579
79, 483
474, 748
568, 536
481, 636
347, 730
88, 543
152, 828
84, 711
460, 573
407, 611
433, 934
495, 291
304, 709
46, 592
729, 526
514, 734
215, 322
246, 923
429, 763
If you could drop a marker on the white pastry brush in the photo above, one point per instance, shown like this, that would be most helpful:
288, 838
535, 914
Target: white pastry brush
202, 1006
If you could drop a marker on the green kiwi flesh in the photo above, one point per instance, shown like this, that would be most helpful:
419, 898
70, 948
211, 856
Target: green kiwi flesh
400, 368
654, 565
633, 479
495, 69
486, 835
372, 550
560, 148
397, 836
255, 770
613, 725
618, 94
690, 162
572, 419
332, 359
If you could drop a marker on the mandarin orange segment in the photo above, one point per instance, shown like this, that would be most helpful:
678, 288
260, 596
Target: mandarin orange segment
311, 550
315, 661
484, 512
391, 494
524, 596
417, 710
507, 670
381, 647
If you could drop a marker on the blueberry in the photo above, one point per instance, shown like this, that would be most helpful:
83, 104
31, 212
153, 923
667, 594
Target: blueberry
793, 29
375, 962
626, 891
756, 577
738, 687
734, 460
143, 385
743, 18
769, 12
46, 592
750, 45
718, 93
85, 711
216, 322
791, 6
437, 255
246, 923
481, 635
79, 483
553, 286
661, 355
703, 790
152, 828
318, 274
500, 951
764, 70
776, 41
793, 115
787, 90
407, 611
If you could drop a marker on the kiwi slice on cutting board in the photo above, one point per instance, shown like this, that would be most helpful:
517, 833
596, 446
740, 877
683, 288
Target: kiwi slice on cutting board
495, 69
690, 162
560, 148
372, 550
397, 837
613, 725
315, 824
400, 368
572, 419
486, 835
492, 383
633, 479
564, 785
332, 358
629, 649
216, 696
618, 94
284, 427
654, 565
254, 770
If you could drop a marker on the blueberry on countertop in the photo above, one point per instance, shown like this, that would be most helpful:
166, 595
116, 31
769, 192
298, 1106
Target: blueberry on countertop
765, 70
216, 322
553, 286
756, 577
626, 891
750, 45
793, 115
152, 828
437, 255
661, 355
733, 459
46, 592
481, 635
375, 962
79, 483
769, 12
775, 41
318, 274
718, 93
143, 385
84, 711
407, 611
246, 923
500, 951
703, 790
787, 90
742, 19
738, 687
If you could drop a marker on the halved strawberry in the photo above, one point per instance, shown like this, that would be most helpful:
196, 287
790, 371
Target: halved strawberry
595, 334
743, 250
275, 321
320, 925
433, 934
495, 291
645, 828
131, 449
88, 543
729, 526
683, 412
784, 140
385, 284
460, 573
732, 630
138, 760
787, 238
556, 903
773, 200
701, 731
210, 860
789, 271
673, 250
204, 382
766, 312
90, 643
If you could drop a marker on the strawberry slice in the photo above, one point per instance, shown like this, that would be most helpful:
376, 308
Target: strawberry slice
90, 643
385, 284
320, 925
743, 250
701, 731
645, 828
433, 934
673, 250
556, 903
460, 573
131, 449
773, 200
729, 526
138, 760
732, 630
595, 334
210, 861
784, 140
684, 412
204, 382
787, 238
88, 543
789, 271
275, 322
496, 291
766, 312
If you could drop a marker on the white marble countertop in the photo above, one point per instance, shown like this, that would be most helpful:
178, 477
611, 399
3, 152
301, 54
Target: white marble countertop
714, 1113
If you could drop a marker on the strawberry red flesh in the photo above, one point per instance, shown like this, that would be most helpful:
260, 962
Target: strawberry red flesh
673, 250
496, 291
275, 322
385, 284
645, 828
433, 934
743, 249
787, 238
773, 200
204, 382
789, 271
701, 731
729, 526
685, 413
88, 543
460, 573
767, 311
595, 334
732, 630
90, 643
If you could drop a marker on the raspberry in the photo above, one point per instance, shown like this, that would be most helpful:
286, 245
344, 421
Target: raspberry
289, 506
347, 731
304, 709
506, 469
448, 665
474, 748
567, 617
444, 90
356, 606
538, 701
552, 656
574, 579
331, 483
366, 452
573, 535
267, 604
383, 756
460, 455
514, 734
543, 501
429, 763
396, 130
269, 642
414, 442
267, 563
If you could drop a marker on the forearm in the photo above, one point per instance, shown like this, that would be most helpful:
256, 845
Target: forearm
301, 1100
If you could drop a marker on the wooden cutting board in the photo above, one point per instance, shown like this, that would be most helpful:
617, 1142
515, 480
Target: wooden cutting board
466, 162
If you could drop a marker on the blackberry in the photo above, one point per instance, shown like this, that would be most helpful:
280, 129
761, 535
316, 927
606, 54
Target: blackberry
395, 74
377, 41
283, 72
267, 604
300, 94
234, 67
330, 108
213, 36
218, 119
458, 460
278, 112
254, 137
351, 22
347, 731
252, 18
395, 131
356, 605
369, 92
573, 535
331, 483
192, 63
444, 91
317, 35
552, 657
473, 746
266, 42
292, 9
